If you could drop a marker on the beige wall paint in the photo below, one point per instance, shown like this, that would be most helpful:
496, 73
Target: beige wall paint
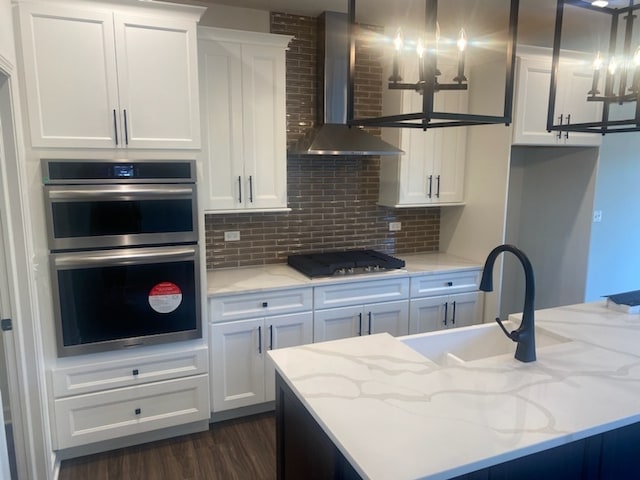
237, 18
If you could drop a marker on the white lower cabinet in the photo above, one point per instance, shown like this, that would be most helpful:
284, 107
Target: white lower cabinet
115, 413
344, 322
241, 372
445, 300
345, 310
444, 311
116, 395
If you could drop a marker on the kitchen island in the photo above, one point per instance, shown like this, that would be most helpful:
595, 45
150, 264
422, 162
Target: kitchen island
373, 407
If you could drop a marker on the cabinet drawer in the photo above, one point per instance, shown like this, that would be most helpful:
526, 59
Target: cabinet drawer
233, 307
95, 417
359, 293
94, 377
445, 283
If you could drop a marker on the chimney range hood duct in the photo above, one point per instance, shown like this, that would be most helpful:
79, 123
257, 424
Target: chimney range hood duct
333, 136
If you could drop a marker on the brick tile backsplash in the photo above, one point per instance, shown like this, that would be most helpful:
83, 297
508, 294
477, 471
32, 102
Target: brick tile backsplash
332, 199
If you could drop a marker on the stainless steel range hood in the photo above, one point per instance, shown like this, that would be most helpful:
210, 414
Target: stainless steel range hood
333, 136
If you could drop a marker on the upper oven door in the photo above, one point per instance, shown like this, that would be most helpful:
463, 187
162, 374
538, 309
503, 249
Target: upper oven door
98, 216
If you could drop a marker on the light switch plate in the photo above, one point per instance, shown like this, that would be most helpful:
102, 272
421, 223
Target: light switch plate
395, 226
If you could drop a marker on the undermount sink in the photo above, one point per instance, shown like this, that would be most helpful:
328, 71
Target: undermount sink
460, 345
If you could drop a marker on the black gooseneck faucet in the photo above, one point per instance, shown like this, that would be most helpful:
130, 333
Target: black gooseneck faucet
524, 335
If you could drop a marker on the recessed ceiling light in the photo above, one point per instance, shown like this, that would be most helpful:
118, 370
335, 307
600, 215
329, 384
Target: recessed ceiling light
600, 3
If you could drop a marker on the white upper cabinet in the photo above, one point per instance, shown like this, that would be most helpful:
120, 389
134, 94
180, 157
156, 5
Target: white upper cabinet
531, 103
96, 77
242, 87
431, 172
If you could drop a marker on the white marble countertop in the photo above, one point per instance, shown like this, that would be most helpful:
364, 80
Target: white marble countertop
396, 415
254, 279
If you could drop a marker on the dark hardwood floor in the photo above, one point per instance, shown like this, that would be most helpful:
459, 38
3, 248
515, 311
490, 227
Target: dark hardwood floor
239, 449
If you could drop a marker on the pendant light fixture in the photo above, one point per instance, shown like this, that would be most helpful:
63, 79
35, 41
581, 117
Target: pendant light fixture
426, 51
614, 65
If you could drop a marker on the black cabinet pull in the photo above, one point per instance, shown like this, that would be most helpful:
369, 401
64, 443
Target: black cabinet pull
430, 186
561, 118
239, 189
438, 186
453, 319
260, 340
449, 284
446, 312
115, 125
370, 317
360, 324
265, 304
270, 337
138, 411
566, 134
135, 371
250, 189
126, 133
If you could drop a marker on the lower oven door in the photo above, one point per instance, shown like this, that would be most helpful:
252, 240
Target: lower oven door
122, 298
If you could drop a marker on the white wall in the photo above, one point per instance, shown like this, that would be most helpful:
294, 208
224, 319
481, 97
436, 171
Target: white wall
614, 254
549, 215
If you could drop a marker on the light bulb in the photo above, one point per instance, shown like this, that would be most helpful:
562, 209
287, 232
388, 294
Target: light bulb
462, 40
398, 42
600, 3
597, 62
420, 48
613, 65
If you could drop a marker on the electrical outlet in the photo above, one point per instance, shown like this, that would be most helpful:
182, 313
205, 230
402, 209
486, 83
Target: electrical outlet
395, 226
233, 236
597, 216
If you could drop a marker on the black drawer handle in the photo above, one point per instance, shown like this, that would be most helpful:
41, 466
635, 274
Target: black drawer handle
449, 284
135, 371
265, 304
138, 411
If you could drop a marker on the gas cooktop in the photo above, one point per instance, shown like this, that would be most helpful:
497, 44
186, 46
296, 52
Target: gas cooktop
343, 263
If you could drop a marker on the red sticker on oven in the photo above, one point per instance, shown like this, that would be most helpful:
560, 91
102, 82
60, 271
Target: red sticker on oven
165, 297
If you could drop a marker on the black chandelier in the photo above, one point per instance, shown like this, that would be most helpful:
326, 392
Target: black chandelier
615, 84
429, 83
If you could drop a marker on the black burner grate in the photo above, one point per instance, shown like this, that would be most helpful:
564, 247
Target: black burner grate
351, 261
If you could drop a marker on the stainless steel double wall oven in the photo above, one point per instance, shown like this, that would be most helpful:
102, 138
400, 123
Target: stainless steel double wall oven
123, 237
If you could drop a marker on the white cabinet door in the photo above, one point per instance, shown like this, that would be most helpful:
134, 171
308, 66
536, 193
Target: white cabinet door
427, 314
95, 79
576, 82
220, 69
352, 321
281, 332
444, 311
242, 84
390, 317
70, 76
158, 82
431, 172
237, 364
464, 309
336, 323
531, 104
264, 121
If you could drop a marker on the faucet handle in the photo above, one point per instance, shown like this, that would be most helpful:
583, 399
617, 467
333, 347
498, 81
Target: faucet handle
513, 335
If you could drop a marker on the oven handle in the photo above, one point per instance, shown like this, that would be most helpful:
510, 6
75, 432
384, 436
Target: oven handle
120, 192
128, 256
